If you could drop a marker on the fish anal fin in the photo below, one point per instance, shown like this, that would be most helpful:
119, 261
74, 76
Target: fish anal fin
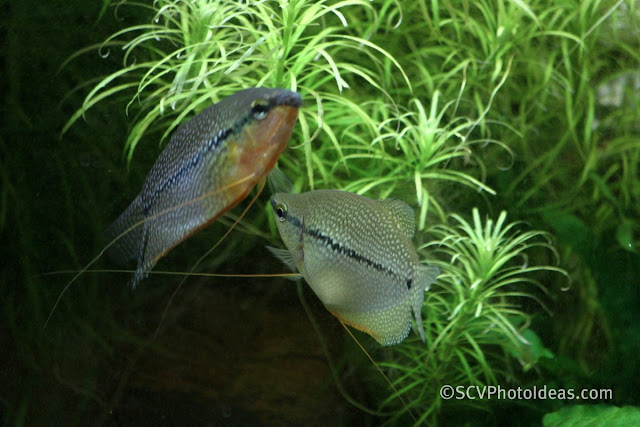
389, 326
346, 321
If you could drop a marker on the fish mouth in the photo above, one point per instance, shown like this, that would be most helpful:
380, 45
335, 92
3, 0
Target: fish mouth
288, 98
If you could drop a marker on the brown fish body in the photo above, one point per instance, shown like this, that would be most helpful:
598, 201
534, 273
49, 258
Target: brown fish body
357, 255
210, 164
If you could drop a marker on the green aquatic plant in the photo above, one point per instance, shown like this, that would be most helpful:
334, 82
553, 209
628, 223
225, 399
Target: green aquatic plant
403, 99
474, 316
361, 128
567, 111
419, 147
592, 128
534, 103
567, 73
593, 414
193, 53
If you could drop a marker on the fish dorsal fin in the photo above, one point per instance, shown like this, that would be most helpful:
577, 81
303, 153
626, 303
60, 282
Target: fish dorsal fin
403, 214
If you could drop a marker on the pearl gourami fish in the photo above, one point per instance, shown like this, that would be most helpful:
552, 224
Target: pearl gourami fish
358, 257
210, 164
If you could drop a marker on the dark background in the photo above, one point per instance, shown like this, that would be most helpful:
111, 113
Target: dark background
229, 351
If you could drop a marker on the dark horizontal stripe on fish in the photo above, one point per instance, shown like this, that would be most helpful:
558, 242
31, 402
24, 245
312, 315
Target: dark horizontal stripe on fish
213, 143
329, 242
210, 146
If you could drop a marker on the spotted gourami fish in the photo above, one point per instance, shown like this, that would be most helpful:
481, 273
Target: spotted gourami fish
358, 257
210, 164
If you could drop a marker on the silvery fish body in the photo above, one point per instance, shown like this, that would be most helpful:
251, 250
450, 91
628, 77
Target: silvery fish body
210, 164
358, 257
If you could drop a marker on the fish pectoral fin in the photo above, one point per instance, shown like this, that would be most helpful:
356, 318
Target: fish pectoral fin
288, 257
278, 181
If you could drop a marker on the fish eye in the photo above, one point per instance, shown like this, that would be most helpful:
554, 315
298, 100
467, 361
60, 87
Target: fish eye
259, 109
281, 211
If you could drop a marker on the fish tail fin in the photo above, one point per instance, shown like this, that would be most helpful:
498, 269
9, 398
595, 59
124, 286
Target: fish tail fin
425, 277
125, 247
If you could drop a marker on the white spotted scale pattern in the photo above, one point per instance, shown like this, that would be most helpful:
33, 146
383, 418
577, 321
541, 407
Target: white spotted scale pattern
358, 257
194, 179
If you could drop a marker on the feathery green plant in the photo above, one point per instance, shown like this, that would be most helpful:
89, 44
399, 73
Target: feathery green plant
474, 319
567, 110
489, 80
193, 53
551, 86
588, 131
415, 146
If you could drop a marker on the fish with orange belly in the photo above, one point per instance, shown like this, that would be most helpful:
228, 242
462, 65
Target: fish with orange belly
210, 164
356, 254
